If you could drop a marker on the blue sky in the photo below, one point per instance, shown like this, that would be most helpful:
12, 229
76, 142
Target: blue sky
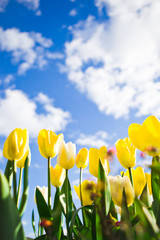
85, 68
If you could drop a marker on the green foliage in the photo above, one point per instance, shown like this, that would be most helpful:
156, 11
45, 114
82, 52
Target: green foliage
101, 221
10, 222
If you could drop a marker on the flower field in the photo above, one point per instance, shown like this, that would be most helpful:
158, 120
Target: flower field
123, 207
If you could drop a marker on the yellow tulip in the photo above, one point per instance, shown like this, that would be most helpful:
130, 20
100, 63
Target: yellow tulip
117, 184
94, 156
57, 175
66, 155
146, 137
148, 179
49, 143
16, 145
82, 158
88, 190
21, 162
126, 152
139, 180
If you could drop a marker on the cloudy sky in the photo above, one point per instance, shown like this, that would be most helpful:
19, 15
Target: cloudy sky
85, 68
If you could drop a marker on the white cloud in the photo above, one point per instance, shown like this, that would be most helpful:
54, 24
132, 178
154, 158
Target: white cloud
3, 4
17, 110
73, 13
30, 4
27, 49
9, 78
98, 140
116, 62
37, 166
1, 156
38, 13
55, 55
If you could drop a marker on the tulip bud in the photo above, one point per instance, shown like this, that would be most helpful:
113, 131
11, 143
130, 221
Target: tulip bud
146, 137
57, 176
117, 184
126, 153
66, 155
82, 158
94, 156
139, 180
16, 145
88, 189
49, 143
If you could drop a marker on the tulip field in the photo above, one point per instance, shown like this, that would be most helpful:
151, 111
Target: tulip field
123, 207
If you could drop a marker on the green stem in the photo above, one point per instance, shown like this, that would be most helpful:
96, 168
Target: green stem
10, 177
19, 186
131, 179
49, 183
80, 186
14, 182
67, 221
130, 175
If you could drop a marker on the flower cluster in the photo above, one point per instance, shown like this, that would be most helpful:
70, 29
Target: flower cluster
100, 198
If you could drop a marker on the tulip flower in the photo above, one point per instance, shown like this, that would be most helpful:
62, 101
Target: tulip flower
82, 158
88, 190
139, 180
21, 162
16, 145
57, 176
44, 191
126, 152
49, 143
66, 155
117, 184
94, 156
146, 137
148, 180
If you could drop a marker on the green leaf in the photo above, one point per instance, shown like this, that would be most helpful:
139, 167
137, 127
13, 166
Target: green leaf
78, 221
10, 222
67, 202
113, 210
33, 223
63, 196
9, 173
23, 202
104, 189
8, 169
155, 166
84, 233
43, 237
145, 197
42, 206
126, 225
155, 183
73, 220
102, 204
57, 216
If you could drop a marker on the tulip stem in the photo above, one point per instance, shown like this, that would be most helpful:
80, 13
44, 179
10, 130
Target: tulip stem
131, 178
67, 221
130, 175
49, 184
14, 181
19, 186
80, 186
